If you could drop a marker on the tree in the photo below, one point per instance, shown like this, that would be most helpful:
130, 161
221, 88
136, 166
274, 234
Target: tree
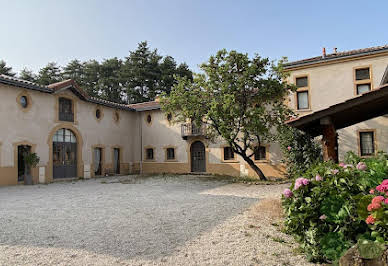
51, 73
91, 75
74, 70
241, 100
28, 75
4, 70
141, 73
110, 80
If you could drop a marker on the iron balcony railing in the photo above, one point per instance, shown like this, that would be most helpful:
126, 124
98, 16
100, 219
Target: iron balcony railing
190, 130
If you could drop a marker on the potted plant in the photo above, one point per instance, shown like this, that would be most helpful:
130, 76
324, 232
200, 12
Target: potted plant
31, 160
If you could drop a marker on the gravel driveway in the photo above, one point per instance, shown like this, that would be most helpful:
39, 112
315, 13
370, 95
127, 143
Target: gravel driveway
177, 220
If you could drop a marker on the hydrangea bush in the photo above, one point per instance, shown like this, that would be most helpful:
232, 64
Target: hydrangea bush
322, 206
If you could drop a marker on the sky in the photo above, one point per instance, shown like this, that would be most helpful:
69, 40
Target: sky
35, 32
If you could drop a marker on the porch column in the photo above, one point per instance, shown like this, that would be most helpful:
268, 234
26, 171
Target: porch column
329, 140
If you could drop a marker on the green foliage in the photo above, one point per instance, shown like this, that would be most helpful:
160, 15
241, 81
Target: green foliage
28, 75
370, 249
240, 99
300, 151
325, 216
4, 70
51, 73
31, 159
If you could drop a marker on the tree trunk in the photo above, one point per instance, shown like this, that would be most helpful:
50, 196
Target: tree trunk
254, 167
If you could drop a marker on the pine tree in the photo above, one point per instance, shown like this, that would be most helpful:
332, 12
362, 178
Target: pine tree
51, 73
5, 70
28, 75
74, 70
110, 80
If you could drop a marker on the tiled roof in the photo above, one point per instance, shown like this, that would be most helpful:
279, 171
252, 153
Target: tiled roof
146, 106
23, 84
52, 88
338, 55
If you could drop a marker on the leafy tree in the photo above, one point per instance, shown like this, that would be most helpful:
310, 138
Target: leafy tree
110, 81
74, 70
28, 75
184, 71
241, 100
5, 70
51, 73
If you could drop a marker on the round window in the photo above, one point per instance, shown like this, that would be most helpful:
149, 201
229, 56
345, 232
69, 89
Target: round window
149, 119
116, 116
23, 101
98, 113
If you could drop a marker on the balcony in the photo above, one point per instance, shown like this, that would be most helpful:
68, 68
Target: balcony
190, 130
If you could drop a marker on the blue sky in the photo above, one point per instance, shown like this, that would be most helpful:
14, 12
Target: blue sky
39, 31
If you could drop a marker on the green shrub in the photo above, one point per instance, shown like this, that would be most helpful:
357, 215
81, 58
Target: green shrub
322, 206
300, 151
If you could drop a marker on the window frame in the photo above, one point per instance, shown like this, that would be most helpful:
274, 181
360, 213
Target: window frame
374, 139
61, 98
146, 154
303, 89
232, 158
362, 81
166, 158
266, 159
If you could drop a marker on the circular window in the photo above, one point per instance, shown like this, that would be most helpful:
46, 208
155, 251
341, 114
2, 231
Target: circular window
116, 116
169, 117
23, 101
149, 119
98, 113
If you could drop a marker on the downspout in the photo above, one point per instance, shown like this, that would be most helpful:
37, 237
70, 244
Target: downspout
141, 143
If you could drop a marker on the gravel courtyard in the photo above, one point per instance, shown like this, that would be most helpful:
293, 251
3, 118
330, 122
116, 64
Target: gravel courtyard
160, 220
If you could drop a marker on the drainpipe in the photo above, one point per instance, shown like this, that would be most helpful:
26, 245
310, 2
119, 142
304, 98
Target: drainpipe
141, 142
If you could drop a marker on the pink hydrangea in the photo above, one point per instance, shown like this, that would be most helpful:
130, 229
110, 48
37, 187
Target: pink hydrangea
341, 165
378, 199
372, 191
322, 217
386, 201
289, 148
348, 166
301, 182
370, 220
361, 166
335, 171
374, 206
288, 193
383, 187
318, 178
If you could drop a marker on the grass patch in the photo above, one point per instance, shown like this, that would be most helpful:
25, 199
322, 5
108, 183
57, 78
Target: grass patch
278, 239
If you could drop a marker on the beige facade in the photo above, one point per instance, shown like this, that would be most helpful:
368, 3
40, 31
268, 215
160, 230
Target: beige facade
333, 81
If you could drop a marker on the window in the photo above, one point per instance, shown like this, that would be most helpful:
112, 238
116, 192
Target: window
228, 153
149, 119
98, 113
362, 80
303, 100
302, 93
116, 116
301, 82
24, 101
150, 154
260, 153
367, 143
66, 110
170, 154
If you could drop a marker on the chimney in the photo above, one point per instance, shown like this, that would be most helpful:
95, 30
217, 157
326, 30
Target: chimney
335, 50
323, 52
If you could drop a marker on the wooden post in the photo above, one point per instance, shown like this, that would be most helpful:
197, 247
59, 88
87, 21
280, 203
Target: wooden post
329, 140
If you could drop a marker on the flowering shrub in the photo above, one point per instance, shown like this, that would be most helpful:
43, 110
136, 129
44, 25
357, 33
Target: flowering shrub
377, 211
322, 206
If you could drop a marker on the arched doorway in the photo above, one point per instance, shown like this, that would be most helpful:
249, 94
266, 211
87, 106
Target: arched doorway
198, 157
64, 154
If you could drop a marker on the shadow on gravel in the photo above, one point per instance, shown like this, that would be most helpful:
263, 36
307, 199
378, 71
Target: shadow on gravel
146, 218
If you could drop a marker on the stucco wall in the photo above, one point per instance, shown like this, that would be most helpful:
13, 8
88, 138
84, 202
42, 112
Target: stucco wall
334, 83
38, 122
160, 133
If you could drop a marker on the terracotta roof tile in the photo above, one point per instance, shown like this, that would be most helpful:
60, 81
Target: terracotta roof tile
333, 56
146, 106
